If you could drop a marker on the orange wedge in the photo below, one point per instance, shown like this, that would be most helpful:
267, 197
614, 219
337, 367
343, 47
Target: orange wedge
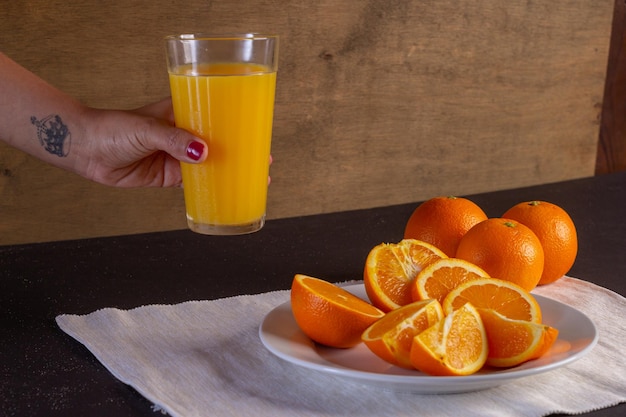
390, 338
390, 269
457, 345
512, 342
328, 314
506, 298
442, 276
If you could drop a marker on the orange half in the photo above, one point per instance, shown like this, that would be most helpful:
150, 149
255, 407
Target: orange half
329, 314
390, 269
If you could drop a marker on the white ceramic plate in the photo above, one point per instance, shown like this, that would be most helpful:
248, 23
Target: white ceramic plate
281, 335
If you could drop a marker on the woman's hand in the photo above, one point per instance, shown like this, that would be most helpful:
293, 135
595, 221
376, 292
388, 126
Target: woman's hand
137, 148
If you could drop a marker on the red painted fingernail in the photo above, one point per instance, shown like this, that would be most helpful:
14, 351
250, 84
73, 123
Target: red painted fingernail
195, 150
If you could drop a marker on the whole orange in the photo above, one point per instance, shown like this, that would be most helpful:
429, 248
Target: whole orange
556, 232
442, 222
505, 249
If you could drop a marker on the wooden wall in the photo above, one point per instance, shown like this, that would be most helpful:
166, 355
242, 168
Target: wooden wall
378, 102
612, 141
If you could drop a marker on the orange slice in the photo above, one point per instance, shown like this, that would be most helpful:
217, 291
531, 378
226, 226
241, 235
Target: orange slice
512, 342
390, 269
442, 276
457, 345
328, 314
506, 298
390, 338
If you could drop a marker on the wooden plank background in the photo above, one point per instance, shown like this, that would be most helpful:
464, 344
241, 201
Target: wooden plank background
378, 102
612, 142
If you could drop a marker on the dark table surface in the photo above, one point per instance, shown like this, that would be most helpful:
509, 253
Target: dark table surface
46, 372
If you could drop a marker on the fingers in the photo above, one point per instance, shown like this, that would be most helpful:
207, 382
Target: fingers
177, 142
183, 146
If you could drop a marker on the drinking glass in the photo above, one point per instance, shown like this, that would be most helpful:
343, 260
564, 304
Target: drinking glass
223, 89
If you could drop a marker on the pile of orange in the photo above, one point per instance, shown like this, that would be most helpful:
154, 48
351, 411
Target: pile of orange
481, 321
533, 243
454, 294
485, 321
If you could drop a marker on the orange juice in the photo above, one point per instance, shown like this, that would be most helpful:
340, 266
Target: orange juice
231, 107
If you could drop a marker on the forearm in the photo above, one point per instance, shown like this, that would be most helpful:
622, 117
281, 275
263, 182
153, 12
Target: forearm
113, 147
38, 118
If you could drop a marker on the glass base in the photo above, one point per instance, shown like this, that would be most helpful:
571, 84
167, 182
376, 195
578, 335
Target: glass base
226, 229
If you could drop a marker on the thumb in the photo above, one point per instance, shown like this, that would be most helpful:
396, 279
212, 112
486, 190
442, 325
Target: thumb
177, 142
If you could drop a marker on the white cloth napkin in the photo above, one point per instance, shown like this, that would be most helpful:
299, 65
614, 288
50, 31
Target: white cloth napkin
205, 358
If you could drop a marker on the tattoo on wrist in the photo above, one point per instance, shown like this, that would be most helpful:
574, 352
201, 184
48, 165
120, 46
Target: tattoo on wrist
53, 134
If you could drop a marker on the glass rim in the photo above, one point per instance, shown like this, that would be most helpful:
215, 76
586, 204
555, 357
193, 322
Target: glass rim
203, 36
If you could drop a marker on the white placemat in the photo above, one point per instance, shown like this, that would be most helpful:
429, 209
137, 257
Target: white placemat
205, 358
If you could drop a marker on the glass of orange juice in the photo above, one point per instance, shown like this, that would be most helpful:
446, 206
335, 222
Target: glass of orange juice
223, 90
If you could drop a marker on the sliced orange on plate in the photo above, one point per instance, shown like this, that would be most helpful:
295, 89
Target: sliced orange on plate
329, 314
390, 269
390, 338
512, 342
457, 345
506, 298
436, 280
